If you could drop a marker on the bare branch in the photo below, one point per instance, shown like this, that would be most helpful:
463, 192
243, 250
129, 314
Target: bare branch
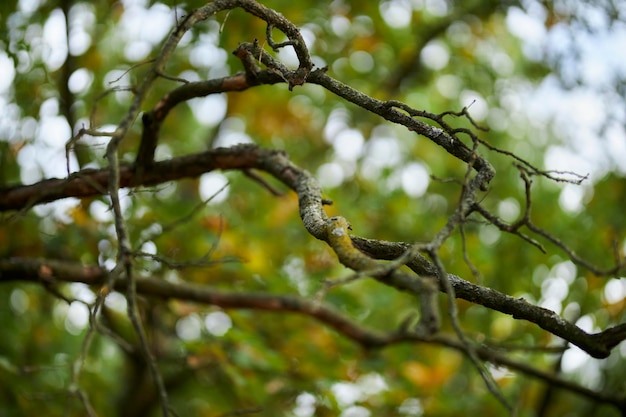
362, 255
314, 218
61, 271
91, 182
519, 308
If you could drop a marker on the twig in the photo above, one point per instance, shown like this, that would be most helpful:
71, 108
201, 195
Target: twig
256, 177
124, 268
468, 348
202, 262
368, 338
186, 218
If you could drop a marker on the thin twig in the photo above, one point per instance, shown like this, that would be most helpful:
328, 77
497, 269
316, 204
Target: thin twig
186, 218
269, 187
124, 268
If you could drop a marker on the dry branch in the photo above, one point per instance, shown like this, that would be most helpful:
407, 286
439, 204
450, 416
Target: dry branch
360, 254
50, 272
315, 221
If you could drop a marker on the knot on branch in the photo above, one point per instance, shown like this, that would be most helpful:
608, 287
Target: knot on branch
251, 53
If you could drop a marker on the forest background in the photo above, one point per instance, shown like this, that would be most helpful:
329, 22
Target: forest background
404, 207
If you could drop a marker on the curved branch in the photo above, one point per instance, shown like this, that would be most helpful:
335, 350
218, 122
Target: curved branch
48, 272
387, 110
152, 120
315, 221
598, 345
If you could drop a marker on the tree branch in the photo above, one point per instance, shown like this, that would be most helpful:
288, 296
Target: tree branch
47, 271
314, 218
91, 182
